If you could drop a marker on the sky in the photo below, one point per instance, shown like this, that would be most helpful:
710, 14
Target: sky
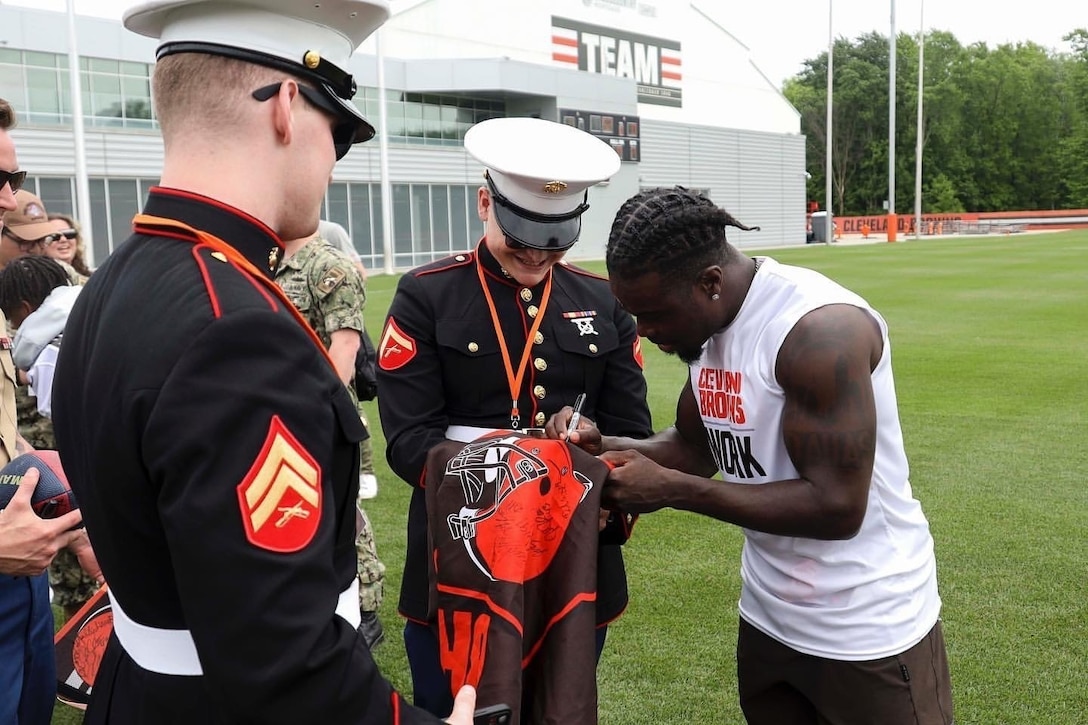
782, 34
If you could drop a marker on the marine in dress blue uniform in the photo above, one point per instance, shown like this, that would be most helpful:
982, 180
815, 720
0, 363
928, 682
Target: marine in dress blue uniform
212, 446
469, 346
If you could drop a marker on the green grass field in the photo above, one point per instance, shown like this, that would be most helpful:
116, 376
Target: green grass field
991, 361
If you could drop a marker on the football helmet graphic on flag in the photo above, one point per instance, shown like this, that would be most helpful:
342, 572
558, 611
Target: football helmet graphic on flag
520, 494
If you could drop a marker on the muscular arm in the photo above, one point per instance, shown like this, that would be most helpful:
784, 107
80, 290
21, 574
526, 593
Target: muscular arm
343, 346
681, 447
829, 430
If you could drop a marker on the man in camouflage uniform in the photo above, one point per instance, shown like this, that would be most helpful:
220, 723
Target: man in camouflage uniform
325, 286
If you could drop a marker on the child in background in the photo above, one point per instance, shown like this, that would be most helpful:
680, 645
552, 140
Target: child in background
36, 296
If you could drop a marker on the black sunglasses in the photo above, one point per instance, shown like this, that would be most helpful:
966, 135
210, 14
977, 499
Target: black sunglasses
54, 237
343, 133
28, 244
15, 178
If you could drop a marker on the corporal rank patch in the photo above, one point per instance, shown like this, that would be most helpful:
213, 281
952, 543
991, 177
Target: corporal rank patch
396, 349
280, 497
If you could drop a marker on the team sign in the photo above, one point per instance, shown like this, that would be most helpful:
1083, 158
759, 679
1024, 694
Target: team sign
653, 63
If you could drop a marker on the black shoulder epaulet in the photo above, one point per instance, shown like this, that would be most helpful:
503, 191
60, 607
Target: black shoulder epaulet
580, 271
454, 261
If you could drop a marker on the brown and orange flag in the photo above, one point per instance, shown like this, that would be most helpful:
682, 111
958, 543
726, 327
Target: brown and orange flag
513, 522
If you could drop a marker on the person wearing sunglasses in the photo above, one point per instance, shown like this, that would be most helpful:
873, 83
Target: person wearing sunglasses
30, 230
67, 245
27, 228
502, 338
212, 446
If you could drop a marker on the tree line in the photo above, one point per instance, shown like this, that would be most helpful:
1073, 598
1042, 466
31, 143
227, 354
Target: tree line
1003, 128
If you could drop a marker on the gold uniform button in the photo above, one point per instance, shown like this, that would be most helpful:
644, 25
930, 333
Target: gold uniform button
540, 364
539, 339
540, 420
540, 392
526, 294
460, 258
473, 347
312, 59
273, 258
592, 347
532, 310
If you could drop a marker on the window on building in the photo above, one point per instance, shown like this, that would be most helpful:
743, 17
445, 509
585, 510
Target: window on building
114, 93
429, 119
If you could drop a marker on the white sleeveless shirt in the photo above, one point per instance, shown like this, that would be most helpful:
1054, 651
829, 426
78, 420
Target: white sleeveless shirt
867, 597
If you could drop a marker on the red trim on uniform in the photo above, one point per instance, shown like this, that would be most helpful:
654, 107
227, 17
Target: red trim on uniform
260, 288
610, 621
238, 260
169, 191
206, 276
157, 232
583, 272
582, 598
636, 351
481, 597
396, 707
468, 258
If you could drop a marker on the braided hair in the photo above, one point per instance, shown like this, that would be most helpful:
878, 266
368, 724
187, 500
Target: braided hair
670, 230
29, 279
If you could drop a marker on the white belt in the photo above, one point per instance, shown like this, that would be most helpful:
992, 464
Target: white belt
467, 433
173, 652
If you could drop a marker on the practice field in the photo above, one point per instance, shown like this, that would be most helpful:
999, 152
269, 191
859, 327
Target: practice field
990, 343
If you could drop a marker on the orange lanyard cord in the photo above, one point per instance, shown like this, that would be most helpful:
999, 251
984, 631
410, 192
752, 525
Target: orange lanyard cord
236, 258
514, 380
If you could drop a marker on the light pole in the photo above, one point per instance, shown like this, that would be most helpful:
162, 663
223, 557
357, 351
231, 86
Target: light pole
891, 130
75, 89
830, 85
918, 140
383, 161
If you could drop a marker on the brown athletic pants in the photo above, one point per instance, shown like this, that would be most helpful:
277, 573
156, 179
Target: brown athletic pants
780, 686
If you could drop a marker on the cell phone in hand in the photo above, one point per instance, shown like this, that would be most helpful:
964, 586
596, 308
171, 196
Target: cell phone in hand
493, 715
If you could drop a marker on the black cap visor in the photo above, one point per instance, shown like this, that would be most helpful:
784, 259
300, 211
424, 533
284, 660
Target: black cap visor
548, 233
352, 127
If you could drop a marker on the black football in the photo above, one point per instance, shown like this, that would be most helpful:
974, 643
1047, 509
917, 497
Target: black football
53, 496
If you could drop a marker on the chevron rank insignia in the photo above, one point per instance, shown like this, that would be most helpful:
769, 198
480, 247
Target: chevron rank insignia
396, 349
280, 497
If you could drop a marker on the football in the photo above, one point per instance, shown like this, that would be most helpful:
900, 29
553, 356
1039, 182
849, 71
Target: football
53, 496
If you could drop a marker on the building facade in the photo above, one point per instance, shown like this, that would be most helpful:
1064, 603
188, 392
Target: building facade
662, 81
